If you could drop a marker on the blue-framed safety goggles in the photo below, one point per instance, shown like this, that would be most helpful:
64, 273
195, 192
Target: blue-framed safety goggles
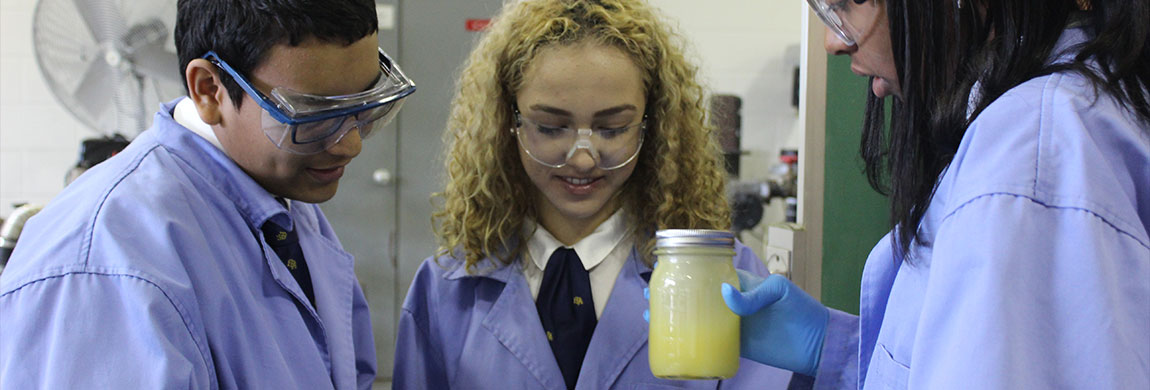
303, 123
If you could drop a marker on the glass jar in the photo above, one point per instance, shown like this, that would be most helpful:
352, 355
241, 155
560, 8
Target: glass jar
693, 335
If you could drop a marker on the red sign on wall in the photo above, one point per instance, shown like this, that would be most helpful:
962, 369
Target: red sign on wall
477, 24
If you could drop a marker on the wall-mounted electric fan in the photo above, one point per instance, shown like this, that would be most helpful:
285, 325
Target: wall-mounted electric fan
109, 62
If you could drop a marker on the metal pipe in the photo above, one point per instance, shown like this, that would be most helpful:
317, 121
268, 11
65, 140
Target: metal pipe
10, 230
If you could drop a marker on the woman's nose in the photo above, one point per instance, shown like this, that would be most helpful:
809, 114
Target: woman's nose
582, 160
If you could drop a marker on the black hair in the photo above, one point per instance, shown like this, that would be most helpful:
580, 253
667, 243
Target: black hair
942, 48
242, 31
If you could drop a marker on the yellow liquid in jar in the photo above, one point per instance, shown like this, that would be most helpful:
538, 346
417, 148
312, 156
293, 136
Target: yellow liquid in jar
693, 335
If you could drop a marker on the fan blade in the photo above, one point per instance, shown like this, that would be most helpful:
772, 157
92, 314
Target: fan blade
155, 62
103, 19
97, 87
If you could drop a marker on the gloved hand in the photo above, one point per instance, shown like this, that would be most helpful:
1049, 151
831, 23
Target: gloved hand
782, 326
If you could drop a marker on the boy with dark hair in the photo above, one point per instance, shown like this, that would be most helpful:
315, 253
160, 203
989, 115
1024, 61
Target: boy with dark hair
197, 257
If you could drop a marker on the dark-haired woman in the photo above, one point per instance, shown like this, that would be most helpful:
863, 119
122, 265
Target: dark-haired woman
1017, 161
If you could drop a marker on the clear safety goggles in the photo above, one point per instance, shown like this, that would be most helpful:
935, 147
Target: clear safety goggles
303, 123
553, 146
836, 15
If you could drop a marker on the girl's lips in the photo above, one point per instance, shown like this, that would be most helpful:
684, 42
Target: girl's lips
881, 87
580, 185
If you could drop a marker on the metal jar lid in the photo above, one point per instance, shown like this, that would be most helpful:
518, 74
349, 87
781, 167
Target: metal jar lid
678, 238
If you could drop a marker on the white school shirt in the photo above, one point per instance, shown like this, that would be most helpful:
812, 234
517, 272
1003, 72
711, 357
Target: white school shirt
603, 253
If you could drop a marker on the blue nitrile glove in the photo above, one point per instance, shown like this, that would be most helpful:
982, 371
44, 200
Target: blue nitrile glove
647, 312
782, 326
647, 296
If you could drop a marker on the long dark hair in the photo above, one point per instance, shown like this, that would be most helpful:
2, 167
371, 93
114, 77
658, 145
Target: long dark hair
942, 48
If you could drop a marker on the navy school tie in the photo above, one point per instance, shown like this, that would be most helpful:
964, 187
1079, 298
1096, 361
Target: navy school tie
286, 244
567, 311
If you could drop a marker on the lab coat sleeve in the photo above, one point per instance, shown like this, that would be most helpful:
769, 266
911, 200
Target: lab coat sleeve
418, 358
1029, 296
838, 363
97, 330
418, 364
365, 363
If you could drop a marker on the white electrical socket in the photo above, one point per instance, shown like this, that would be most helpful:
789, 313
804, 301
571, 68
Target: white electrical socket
385, 13
778, 260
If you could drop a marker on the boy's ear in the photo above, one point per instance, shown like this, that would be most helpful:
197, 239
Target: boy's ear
205, 90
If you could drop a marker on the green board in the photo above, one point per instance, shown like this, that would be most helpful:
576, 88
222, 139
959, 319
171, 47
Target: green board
854, 215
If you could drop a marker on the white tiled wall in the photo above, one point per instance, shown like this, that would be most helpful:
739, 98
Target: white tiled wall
742, 46
39, 139
749, 48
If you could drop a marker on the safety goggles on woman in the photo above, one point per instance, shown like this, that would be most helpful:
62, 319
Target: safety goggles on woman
611, 148
303, 123
836, 14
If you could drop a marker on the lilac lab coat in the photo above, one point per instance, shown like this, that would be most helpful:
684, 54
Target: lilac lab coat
460, 331
1037, 272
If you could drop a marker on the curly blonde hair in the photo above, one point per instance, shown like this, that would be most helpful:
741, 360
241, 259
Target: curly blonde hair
678, 181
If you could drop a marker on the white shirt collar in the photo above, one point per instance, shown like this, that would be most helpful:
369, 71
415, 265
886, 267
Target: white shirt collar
591, 249
186, 115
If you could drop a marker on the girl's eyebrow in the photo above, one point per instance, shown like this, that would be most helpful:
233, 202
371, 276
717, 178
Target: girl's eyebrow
601, 113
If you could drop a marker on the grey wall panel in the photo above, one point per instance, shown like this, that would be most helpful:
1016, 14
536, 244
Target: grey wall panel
434, 42
388, 228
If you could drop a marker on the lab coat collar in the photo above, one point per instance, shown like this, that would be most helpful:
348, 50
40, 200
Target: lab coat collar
255, 203
514, 321
882, 266
627, 334
489, 267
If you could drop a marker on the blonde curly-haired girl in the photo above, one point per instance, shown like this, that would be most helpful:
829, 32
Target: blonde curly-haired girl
577, 131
